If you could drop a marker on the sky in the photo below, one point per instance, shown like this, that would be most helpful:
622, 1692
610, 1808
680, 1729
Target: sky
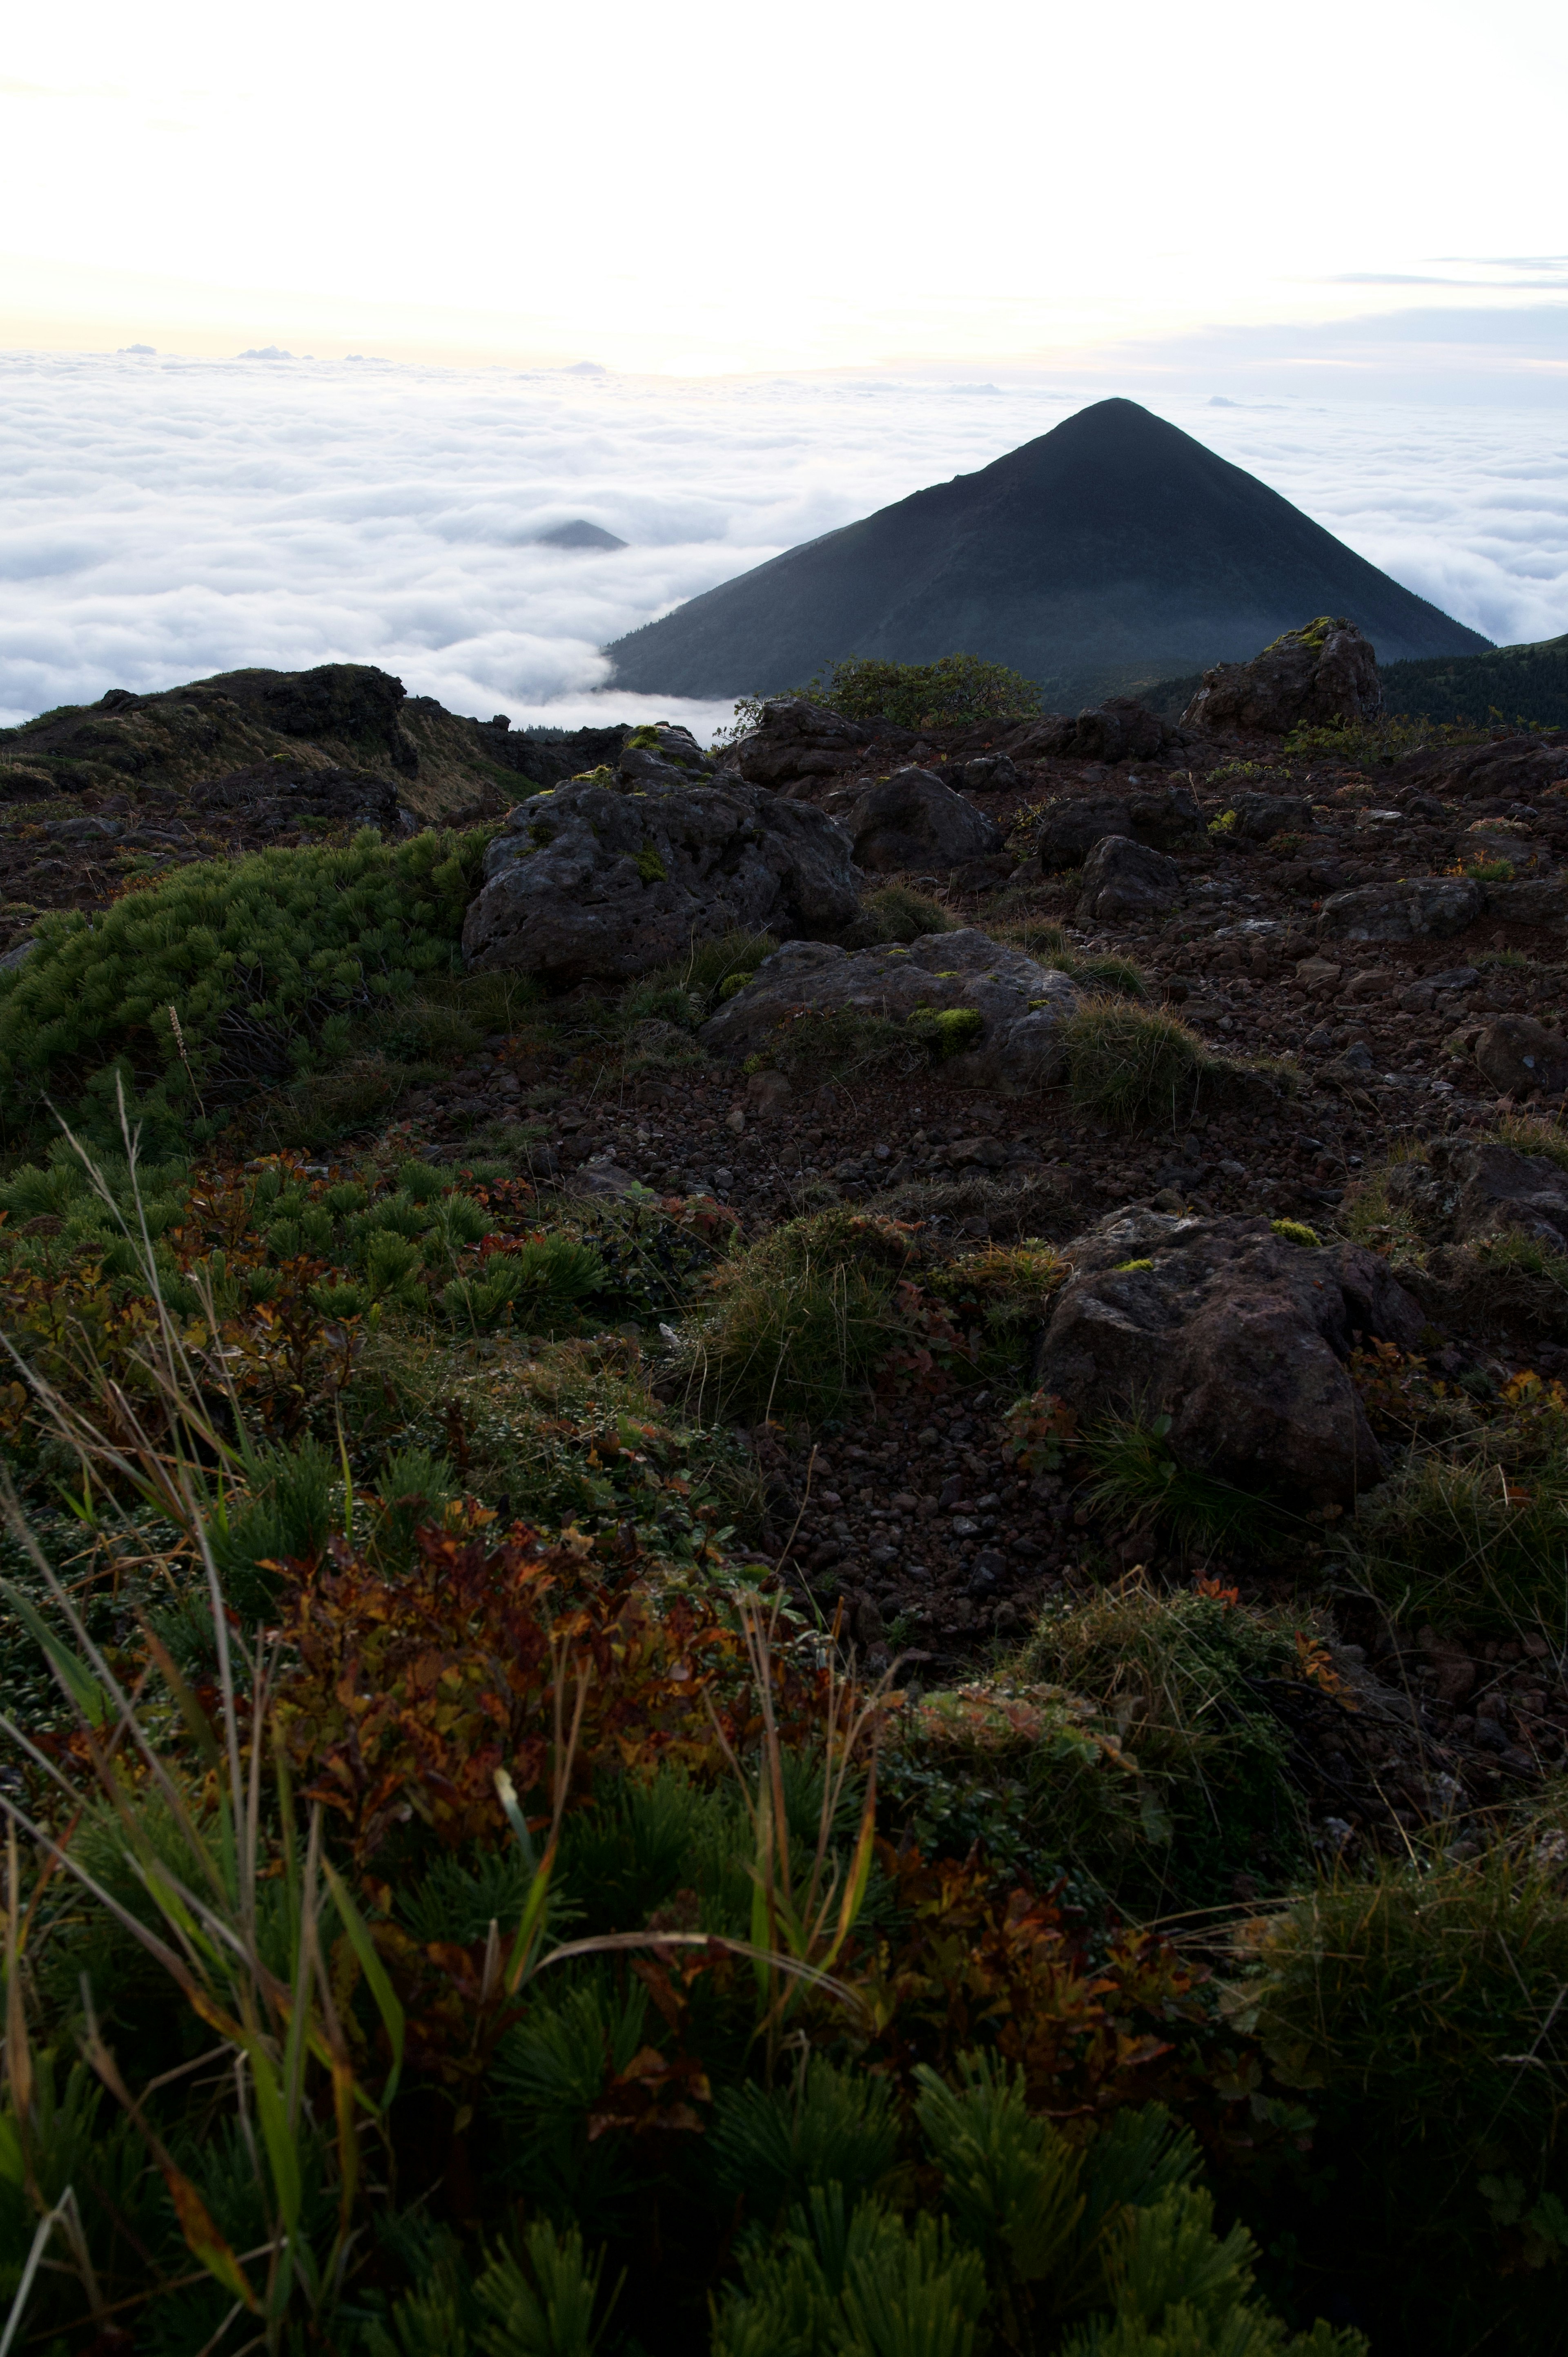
721, 279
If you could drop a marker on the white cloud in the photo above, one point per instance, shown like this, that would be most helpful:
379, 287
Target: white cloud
164, 518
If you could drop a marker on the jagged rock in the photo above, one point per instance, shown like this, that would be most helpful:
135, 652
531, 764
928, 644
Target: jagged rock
1164, 817
1021, 1005
1123, 879
796, 740
1517, 1054
590, 883
1121, 729
1312, 677
1463, 1191
1419, 907
1535, 900
18, 954
1257, 817
913, 819
1236, 1334
1508, 769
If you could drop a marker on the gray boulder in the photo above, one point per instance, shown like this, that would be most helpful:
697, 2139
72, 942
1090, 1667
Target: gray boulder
592, 883
1163, 817
1020, 1007
913, 819
1315, 676
1419, 907
1237, 1335
796, 740
1123, 879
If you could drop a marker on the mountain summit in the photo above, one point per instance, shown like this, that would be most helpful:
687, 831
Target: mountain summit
1112, 551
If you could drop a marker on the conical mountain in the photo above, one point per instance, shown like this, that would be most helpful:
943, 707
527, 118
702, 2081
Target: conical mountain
1113, 550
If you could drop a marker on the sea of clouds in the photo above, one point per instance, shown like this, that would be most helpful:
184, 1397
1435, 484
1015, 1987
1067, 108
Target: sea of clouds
162, 519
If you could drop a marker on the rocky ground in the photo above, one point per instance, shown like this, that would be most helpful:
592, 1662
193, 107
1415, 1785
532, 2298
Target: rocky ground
1379, 937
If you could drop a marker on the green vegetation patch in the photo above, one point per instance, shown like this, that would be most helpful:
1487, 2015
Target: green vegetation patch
230, 973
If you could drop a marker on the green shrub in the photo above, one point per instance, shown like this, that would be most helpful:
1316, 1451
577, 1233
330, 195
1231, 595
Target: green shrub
542, 1288
1131, 1063
1295, 1232
265, 960
956, 691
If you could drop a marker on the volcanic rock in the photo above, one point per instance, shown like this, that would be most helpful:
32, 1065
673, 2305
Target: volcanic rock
1423, 907
1236, 1334
1518, 1054
1463, 1191
1164, 817
913, 819
1123, 879
590, 883
1119, 729
796, 740
1021, 1005
1312, 677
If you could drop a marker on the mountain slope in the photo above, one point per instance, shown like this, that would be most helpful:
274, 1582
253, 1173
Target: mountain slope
1115, 547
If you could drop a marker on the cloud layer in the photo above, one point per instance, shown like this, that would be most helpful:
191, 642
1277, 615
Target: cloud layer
163, 519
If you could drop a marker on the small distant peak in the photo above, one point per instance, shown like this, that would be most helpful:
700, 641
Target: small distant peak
266, 352
586, 368
149, 351
578, 533
1219, 401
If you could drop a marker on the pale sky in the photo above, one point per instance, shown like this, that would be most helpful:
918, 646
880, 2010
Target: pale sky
701, 189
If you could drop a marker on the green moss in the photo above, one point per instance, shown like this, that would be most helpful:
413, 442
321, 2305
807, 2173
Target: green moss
948, 1030
1295, 1232
734, 983
651, 868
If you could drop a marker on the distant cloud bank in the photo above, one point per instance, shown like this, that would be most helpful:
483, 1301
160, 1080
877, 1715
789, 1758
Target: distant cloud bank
163, 519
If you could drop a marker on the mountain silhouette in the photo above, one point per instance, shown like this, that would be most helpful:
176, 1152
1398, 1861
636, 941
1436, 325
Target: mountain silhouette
1112, 551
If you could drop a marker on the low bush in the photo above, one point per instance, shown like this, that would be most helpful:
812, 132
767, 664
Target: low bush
1138, 1480
1420, 2011
229, 974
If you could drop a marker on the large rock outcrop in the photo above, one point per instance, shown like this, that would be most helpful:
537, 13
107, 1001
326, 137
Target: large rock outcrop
600, 882
1236, 1334
1009, 1010
913, 819
1312, 677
